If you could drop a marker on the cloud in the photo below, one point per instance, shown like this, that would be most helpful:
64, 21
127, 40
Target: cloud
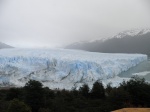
50, 23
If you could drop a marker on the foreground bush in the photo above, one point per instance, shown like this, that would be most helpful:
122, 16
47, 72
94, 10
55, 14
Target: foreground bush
18, 106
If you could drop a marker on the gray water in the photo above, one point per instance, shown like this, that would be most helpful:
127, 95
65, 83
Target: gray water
142, 67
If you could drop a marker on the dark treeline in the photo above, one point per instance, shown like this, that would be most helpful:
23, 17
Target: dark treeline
33, 97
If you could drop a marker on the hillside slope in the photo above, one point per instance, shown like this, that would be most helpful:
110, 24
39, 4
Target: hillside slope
124, 42
2, 45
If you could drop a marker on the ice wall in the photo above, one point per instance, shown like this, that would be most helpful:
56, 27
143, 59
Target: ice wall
59, 68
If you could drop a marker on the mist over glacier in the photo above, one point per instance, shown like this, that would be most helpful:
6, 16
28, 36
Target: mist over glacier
56, 23
59, 68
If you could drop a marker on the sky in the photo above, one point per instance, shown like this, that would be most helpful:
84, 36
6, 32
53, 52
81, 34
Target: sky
56, 23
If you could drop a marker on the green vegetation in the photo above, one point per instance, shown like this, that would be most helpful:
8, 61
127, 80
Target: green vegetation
33, 97
18, 106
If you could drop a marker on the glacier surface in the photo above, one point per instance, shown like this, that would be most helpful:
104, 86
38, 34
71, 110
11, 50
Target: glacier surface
63, 69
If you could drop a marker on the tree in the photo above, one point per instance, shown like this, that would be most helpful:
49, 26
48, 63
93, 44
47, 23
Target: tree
34, 95
14, 93
84, 90
119, 98
18, 106
108, 89
139, 90
44, 110
98, 91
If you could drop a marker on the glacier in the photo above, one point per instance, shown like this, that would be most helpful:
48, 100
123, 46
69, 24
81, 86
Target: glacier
63, 69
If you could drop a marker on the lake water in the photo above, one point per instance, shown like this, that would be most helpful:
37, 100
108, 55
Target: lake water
142, 70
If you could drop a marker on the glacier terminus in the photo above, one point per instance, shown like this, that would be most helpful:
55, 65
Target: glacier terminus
63, 69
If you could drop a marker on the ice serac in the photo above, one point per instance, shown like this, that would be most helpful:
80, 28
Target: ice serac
59, 68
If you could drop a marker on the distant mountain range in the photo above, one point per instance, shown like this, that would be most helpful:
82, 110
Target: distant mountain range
2, 45
131, 41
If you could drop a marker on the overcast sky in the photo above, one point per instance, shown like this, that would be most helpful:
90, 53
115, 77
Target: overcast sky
54, 23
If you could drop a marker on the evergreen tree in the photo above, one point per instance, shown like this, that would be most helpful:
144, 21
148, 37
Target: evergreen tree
108, 89
34, 95
84, 90
98, 91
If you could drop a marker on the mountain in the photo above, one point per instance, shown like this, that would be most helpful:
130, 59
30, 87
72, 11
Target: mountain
2, 45
131, 41
61, 68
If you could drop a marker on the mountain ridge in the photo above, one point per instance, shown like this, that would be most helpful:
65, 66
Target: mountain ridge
130, 41
3, 45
